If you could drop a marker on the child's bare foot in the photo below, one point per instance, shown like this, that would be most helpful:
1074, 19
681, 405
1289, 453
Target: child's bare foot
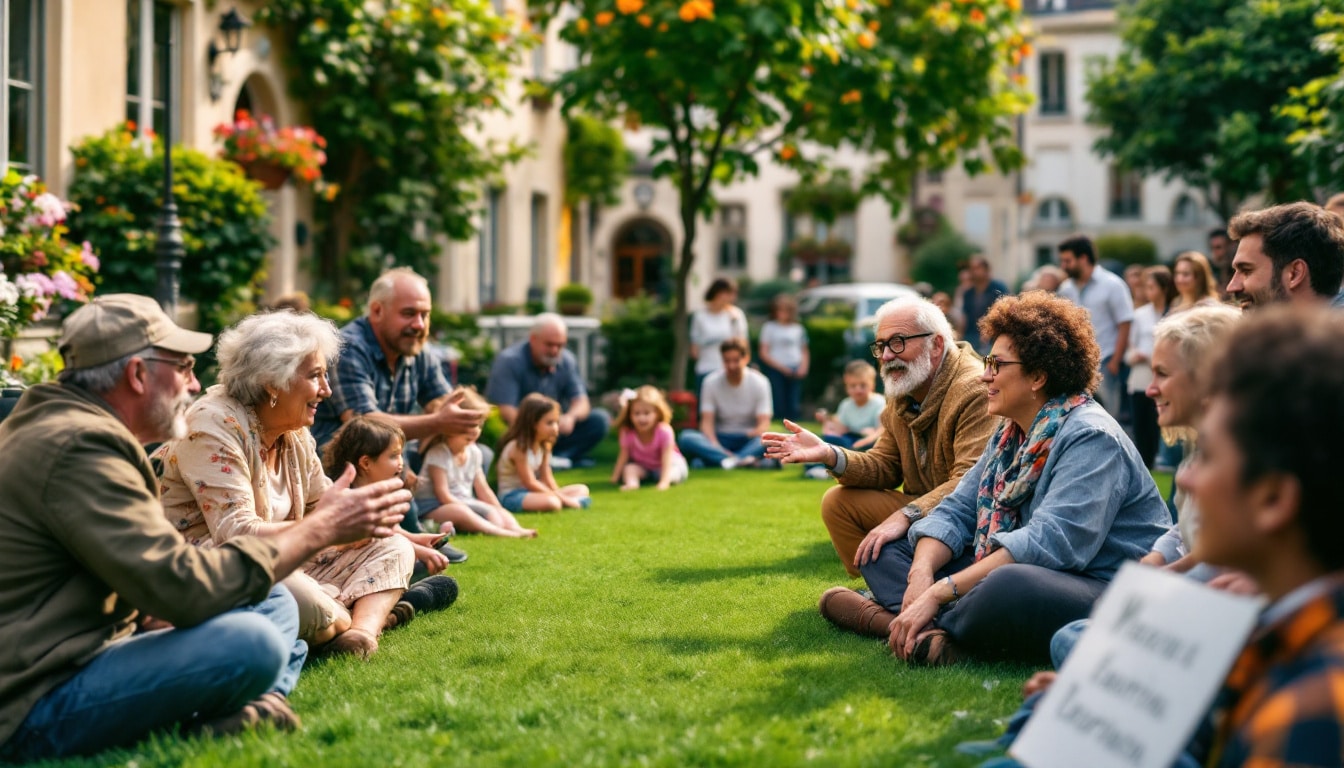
529, 533
630, 486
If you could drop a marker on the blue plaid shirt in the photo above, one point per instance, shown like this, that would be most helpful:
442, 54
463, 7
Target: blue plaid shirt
362, 382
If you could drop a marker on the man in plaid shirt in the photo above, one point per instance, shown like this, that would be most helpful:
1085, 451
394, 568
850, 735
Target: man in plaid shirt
384, 368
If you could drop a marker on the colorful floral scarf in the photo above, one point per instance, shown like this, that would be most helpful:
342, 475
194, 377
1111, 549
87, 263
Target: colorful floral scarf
1009, 479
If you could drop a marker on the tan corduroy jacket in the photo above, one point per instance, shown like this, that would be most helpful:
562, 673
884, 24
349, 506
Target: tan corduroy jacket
85, 546
930, 450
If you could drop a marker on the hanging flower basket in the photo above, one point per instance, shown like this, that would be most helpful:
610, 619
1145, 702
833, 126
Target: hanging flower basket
272, 155
270, 175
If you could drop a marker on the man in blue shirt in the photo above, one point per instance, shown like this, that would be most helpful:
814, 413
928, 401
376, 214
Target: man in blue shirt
984, 291
542, 364
384, 368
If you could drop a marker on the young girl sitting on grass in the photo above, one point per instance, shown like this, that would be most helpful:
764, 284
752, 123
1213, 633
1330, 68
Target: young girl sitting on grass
648, 445
525, 480
374, 447
453, 477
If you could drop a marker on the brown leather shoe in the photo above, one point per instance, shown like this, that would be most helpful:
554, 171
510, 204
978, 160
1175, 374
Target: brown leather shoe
849, 610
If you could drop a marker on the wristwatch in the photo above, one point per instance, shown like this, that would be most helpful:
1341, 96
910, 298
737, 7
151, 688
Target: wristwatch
912, 513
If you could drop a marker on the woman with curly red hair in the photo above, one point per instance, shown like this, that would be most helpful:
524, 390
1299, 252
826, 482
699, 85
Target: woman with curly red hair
1035, 530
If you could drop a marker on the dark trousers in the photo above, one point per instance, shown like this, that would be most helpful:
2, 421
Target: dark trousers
1147, 434
786, 392
586, 435
1009, 616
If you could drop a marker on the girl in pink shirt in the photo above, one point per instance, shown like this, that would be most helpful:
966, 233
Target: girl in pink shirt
648, 447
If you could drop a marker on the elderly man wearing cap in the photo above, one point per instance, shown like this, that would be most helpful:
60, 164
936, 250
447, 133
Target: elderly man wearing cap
88, 553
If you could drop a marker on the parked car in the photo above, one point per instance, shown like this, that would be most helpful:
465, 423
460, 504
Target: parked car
859, 301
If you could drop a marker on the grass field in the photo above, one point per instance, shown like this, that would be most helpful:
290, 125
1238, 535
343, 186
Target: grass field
675, 628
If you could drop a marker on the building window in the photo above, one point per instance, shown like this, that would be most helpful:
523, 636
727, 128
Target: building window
1054, 94
1185, 212
1045, 254
1126, 194
733, 238
151, 74
21, 100
1055, 213
821, 250
488, 238
541, 256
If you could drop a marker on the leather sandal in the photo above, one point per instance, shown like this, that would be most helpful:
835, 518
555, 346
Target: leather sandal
400, 615
934, 649
269, 708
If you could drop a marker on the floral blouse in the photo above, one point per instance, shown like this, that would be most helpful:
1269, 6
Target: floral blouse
213, 482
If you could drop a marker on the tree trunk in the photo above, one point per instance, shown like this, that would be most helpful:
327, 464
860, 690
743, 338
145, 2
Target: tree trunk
680, 325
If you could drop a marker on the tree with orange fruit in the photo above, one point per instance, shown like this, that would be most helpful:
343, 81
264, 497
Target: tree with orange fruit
918, 84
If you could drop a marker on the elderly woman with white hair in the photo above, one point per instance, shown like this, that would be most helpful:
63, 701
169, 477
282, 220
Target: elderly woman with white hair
249, 466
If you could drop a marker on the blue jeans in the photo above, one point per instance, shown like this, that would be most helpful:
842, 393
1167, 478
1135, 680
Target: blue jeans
585, 437
1112, 390
694, 445
786, 392
153, 681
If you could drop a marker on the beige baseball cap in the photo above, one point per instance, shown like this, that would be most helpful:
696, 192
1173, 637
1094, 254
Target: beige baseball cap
118, 324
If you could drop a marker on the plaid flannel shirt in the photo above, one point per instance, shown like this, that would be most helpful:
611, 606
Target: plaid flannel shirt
361, 381
1283, 702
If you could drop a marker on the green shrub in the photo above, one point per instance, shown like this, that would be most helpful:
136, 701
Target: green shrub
938, 260
574, 293
1127, 249
224, 222
826, 345
476, 350
638, 332
595, 161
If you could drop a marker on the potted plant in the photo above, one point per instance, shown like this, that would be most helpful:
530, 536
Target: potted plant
539, 93
573, 299
272, 155
40, 271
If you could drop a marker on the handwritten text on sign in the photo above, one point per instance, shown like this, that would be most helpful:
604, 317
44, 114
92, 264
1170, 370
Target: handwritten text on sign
1141, 677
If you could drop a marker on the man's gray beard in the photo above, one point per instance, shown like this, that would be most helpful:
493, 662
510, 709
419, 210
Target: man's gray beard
550, 362
916, 375
169, 417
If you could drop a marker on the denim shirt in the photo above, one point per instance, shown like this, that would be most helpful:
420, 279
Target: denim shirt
1094, 507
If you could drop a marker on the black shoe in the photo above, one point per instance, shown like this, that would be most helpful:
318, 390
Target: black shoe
433, 594
453, 554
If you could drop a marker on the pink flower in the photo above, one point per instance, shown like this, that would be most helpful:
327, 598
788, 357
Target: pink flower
66, 286
90, 260
35, 285
50, 210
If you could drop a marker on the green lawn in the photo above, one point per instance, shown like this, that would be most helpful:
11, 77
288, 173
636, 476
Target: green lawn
675, 628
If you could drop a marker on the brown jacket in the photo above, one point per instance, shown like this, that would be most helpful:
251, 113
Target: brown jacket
930, 450
85, 546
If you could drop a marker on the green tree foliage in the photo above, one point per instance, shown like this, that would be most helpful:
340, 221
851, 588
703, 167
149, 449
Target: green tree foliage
917, 83
595, 161
396, 88
1127, 249
1317, 108
938, 260
1196, 91
119, 191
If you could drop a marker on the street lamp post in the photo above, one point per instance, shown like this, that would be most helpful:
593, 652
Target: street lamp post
169, 249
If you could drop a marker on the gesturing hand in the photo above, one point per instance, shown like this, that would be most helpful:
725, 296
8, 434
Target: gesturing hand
355, 514
457, 420
797, 447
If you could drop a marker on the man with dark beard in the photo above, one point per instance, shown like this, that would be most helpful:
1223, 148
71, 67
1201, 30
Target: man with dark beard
934, 429
1287, 253
384, 369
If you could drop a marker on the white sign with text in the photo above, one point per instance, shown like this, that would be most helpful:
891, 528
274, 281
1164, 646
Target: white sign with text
1143, 674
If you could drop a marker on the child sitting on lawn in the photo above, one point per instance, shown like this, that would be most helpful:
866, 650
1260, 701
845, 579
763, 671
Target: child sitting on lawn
858, 421
526, 483
648, 445
453, 485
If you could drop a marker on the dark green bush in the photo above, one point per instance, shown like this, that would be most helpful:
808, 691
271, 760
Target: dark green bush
639, 339
224, 223
826, 344
1127, 249
938, 260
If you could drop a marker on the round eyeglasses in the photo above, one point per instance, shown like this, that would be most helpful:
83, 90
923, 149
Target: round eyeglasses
896, 344
992, 364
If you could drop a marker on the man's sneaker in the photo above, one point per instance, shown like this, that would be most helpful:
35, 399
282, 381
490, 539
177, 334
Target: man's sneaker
816, 473
849, 610
729, 463
585, 463
453, 554
560, 462
768, 464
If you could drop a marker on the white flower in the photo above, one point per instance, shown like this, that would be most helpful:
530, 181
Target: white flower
9, 292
